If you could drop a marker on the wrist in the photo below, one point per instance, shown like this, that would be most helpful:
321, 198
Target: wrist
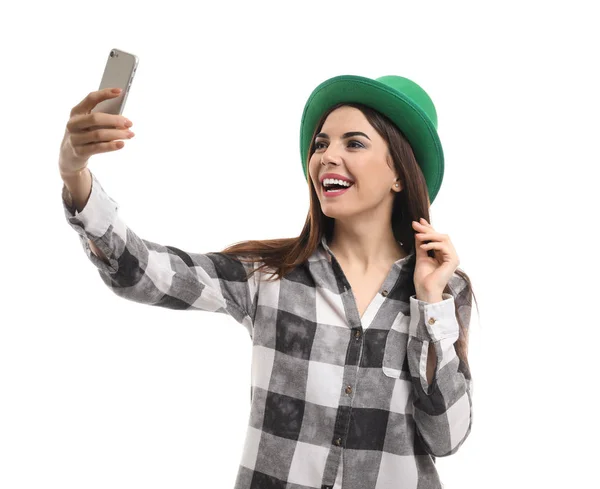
430, 297
71, 175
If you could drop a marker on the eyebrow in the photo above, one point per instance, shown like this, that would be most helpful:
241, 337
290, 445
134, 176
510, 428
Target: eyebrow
344, 136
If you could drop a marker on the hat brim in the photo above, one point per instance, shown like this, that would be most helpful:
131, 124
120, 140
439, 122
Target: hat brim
407, 116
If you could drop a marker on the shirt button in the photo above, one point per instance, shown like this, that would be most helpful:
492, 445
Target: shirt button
338, 441
431, 320
384, 293
348, 389
357, 333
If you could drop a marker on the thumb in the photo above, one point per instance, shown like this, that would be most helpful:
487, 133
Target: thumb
419, 251
92, 99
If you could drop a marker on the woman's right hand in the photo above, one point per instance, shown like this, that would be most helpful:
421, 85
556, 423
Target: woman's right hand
88, 133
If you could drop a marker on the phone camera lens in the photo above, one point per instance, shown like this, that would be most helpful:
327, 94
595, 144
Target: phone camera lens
112, 54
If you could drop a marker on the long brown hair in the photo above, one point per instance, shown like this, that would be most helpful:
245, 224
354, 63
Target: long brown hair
282, 255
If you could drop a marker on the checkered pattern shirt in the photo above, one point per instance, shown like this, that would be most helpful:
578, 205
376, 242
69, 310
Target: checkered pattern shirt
337, 400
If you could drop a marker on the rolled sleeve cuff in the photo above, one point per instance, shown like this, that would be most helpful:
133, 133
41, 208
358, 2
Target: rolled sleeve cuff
433, 321
98, 214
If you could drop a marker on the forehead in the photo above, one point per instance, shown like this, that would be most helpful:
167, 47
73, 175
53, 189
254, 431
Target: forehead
344, 117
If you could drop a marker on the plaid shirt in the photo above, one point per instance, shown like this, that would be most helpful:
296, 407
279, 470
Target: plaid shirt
327, 385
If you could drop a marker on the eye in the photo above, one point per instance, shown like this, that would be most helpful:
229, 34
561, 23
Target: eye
353, 141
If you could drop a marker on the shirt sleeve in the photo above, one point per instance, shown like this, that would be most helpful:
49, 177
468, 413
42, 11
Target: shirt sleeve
165, 276
443, 410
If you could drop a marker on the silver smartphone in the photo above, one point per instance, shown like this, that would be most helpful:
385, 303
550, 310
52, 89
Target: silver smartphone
118, 73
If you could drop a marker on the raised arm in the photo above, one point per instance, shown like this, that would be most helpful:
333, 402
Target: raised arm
134, 268
150, 273
443, 408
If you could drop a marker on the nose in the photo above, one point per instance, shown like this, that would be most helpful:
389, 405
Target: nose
327, 157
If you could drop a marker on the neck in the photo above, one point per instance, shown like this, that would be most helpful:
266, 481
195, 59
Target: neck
365, 246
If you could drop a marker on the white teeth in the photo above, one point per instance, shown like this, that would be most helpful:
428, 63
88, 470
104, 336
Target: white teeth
331, 181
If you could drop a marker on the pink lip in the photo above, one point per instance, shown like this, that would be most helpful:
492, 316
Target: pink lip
336, 193
334, 175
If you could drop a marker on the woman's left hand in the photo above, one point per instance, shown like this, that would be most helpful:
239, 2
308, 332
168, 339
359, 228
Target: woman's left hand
432, 274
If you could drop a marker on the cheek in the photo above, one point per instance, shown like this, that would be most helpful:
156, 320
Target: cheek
370, 190
314, 161
313, 169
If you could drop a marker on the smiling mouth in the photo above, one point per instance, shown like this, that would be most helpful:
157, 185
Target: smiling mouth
336, 186
335, 190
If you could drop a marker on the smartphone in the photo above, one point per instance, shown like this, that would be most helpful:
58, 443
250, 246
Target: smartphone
118, 73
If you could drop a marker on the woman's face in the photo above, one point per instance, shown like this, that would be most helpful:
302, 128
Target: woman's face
349, 146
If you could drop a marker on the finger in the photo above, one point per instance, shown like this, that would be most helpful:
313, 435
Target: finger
88, 150
444, 248
424, 222
99, 136
421, 225
95, 120
419, 250
432, 245
92, 99
432, 237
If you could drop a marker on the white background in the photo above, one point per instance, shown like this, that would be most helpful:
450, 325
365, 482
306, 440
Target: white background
99, 392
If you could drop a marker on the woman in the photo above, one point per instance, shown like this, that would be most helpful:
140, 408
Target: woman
360, 376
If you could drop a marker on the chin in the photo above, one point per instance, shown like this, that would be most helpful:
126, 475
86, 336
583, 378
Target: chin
333, 214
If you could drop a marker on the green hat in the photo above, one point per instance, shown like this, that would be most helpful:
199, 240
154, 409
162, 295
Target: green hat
404, 102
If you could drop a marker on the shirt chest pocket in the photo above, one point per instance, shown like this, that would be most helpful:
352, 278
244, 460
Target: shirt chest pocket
395, 361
